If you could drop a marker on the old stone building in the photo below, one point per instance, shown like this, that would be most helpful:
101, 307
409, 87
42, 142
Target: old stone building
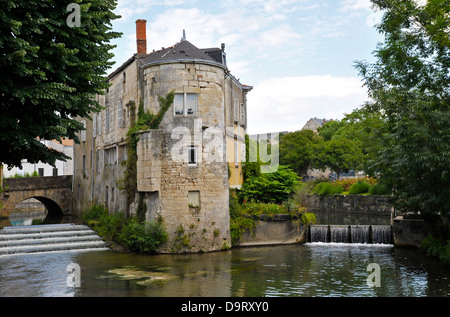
186, 166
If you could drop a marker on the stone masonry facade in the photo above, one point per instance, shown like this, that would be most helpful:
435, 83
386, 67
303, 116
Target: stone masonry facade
183, 166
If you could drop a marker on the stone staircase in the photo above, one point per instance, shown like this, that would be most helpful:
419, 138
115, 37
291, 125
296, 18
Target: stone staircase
48, 238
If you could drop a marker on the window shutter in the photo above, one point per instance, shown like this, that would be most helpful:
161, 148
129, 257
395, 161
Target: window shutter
236, 110
94, 127
99, 123
107, 120
120, 114
83, 132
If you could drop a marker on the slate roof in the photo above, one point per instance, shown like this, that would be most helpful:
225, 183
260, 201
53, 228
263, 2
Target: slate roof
184, 50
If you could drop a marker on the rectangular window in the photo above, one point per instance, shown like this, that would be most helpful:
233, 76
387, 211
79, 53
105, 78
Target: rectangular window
94, 125
191, 104
55, 172
120, 114
84, 165
242, 110
192, 155
97, 162
83, 132
40, 172
122, 156
236, 154
236, 111
178, 104
99, 123
107, 120
106, 196
111, 156
194, 198
185, 104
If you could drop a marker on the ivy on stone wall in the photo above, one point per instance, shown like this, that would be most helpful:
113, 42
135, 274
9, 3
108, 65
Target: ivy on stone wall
146, 120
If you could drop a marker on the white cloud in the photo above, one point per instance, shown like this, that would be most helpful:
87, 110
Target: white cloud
350, 5
287, 103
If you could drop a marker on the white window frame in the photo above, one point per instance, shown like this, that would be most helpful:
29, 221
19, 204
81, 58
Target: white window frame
185, 110
192, 148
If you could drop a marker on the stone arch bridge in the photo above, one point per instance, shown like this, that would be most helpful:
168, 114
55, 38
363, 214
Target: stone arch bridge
53, 191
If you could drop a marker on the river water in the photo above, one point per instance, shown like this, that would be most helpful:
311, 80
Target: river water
308, 270
297, 270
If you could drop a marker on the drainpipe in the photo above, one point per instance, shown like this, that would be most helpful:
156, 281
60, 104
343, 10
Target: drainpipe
92, 168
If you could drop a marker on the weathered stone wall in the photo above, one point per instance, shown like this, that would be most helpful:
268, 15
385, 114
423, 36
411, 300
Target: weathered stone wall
53, 191
279, 229
165, 180
349, 203
168, 186
31, 183
408, 232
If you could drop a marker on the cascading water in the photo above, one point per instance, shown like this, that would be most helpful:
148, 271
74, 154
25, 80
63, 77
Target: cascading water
339, 234
360, 234
319, 233
381, 234
365, 234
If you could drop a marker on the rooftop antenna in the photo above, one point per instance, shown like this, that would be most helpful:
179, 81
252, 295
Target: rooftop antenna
184, 36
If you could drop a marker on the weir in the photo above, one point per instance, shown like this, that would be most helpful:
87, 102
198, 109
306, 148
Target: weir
49, 238
366, 234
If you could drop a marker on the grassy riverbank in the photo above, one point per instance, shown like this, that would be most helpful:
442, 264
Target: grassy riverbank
133, 234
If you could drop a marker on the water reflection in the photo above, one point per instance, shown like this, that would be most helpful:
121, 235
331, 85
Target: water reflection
292, 270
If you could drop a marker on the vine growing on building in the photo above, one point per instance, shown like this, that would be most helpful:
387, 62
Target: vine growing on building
145, 120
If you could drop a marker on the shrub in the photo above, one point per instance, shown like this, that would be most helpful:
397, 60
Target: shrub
308, 218
359, 187
379, 189
95, 213
436, 248
346, 183
143, 237
326, 188
135, 235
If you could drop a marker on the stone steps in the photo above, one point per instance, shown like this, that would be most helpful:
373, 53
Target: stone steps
48, 238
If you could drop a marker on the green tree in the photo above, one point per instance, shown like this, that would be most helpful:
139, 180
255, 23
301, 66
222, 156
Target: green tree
296, 150
365, 128
51, 70
274, 187
339, 155
251, 168
409, 86
329, 129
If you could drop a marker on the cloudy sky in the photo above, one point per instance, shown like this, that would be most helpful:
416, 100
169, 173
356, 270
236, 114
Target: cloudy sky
299, 55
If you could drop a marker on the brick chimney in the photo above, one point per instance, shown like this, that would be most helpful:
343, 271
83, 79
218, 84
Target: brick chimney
141, 37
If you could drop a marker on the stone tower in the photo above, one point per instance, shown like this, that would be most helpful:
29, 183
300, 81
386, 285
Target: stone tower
185, 167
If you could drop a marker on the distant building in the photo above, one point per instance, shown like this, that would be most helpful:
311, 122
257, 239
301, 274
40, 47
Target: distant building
314, 124
43, 169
